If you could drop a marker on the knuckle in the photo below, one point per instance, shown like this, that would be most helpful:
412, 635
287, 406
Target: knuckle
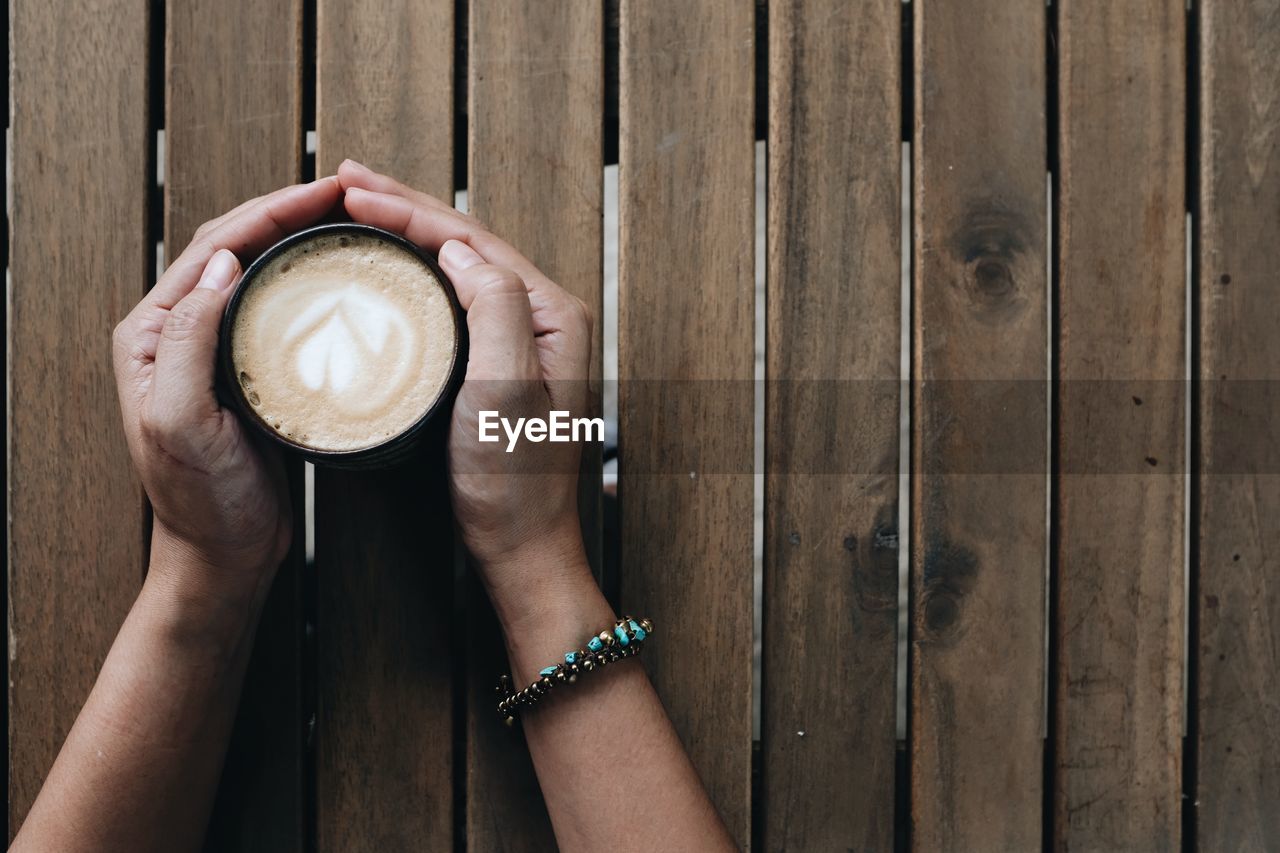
119, 338
499, 281
121, 343
185, 320
202, 243
125, 345
477, 228
157, 425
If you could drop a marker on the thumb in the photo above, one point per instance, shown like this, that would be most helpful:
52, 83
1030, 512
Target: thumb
499, 317
186, 354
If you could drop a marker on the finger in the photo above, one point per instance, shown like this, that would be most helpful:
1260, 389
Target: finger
553, 308
354, 174
255, 227
249, 229
499, 319
186, 355
245, 205
431, 228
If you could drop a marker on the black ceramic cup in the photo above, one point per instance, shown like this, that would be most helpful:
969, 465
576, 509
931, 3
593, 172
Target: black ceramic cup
428, 429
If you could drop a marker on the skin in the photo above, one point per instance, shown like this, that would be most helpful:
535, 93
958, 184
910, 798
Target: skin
140, 767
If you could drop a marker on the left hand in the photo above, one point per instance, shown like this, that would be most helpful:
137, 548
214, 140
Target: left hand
220, 501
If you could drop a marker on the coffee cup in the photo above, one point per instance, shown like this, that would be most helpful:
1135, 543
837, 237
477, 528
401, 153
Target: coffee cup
344, 343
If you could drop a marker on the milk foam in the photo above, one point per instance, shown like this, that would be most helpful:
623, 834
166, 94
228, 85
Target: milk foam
343, 341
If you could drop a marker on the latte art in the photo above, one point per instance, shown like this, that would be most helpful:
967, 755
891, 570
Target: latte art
344, 334
343, 341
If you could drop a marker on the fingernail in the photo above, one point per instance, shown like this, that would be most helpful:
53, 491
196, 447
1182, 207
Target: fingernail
361, 166
458, 255
220, 271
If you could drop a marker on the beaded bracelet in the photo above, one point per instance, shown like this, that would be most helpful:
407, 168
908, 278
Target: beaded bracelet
622, 641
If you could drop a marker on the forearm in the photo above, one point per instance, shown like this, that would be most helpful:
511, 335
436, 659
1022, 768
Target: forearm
139, 769
609, 762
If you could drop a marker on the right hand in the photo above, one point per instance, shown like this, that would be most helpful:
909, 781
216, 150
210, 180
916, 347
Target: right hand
530, 345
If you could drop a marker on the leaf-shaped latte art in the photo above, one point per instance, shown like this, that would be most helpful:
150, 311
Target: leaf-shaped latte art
350, 345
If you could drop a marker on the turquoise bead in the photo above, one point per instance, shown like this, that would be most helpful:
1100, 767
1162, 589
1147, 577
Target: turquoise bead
571, 657
549, 670
621, 634
639, 632
594, 644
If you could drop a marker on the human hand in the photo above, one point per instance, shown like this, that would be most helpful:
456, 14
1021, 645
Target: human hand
530, 345
220, 501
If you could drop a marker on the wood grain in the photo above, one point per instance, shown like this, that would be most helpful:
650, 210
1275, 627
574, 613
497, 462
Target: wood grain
384, 89
685, 340
384, 736
80, 259
233, 130
1121, 425
535, 99
831, 492
979, 427
384, 540
1238, 652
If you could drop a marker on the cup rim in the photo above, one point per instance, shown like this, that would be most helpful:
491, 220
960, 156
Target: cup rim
391, 444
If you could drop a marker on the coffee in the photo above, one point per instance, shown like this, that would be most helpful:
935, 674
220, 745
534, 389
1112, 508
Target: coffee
342, 339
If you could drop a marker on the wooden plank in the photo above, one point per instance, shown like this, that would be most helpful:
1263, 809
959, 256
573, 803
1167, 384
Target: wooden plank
384, 736
1120, 443
80, 260
233, 130
831, 493
384, 540
685, 352
535, 94
980, 427
1238, 652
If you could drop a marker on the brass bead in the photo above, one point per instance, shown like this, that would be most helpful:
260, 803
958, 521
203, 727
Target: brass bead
588, 665
573, 679
510, 721
647, 626
545, 682
607, 638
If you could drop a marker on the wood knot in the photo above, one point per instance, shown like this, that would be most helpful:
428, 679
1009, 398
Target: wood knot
874, 559
992, 240
950, 571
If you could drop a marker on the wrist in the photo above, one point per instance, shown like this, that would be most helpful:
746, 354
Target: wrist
538, 579
547, 603
554, 625
197, 571
201, 596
